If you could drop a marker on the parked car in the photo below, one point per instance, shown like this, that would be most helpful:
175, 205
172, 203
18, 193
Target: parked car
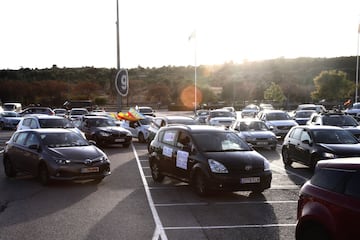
149, 111
354, 110
54, 154
201, 115
250, 110
33, 121
9, 119
104, 131
336, 119
303, 116
329, 203
277, 121
77, 113
37, 110
220, 117
162, 121
62, 112
139, 129
255, 132
309, 144
209, 158
16, 107
266, 106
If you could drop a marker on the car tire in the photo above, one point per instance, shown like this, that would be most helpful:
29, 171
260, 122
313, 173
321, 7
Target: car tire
286, 158
155, 172
43, 175
313, 231
9, 168
141, 137
200, 184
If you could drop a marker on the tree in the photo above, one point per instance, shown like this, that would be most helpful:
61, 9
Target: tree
274, 93
332, 85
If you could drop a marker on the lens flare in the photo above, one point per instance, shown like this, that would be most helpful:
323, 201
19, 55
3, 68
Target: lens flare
187, 96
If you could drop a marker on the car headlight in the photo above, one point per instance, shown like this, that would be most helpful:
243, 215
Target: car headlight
266, 165
104, 134
62, 161
329, 155
104, 159
217, 167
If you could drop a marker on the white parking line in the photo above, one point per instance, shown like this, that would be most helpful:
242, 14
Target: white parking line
159, 230
288, 172
223, 203
234, 226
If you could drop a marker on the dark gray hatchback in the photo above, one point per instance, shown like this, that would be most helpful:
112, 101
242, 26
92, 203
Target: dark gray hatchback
209, 158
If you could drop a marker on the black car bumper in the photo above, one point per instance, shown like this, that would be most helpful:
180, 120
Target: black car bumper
248, 182
82, 172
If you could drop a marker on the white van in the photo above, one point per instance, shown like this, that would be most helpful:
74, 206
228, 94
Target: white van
16, 107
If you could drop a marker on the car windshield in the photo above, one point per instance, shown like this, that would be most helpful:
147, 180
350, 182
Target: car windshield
341, 120
221, 114
334, 137
63, 139
220, 142
56, 123
277, 116
253, 126
78, 112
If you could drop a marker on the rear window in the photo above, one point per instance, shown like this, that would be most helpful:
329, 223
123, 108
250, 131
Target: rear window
331, 179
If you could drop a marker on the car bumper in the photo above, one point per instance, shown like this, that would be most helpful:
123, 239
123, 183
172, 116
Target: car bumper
236, 182
81, 172
263, 143
107, 140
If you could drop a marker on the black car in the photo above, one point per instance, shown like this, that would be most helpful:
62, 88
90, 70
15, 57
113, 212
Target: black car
54, 154
209, 158
104, 131
338, 119
309, 144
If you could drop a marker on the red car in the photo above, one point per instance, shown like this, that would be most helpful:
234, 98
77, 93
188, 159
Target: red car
329, 203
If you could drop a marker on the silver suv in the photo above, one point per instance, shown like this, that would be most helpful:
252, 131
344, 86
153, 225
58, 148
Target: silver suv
46, 121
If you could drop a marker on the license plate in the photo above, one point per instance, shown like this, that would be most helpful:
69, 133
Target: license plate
261, 143
250, 180
120, 140
90, 170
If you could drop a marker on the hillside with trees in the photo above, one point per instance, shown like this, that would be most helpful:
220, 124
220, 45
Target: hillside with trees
284, 82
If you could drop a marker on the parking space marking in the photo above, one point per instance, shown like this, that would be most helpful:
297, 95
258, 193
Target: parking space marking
223, 203
288, 172
159, 230
233, 226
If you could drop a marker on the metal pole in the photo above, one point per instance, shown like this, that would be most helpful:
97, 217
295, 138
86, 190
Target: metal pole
118, 51
195, 77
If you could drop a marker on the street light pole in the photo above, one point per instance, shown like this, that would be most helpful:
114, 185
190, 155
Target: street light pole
118, 52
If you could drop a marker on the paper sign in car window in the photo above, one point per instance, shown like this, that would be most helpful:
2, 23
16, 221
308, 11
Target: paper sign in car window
181, 159
167, 151
169, 136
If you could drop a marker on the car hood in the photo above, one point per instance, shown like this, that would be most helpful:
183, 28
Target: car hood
113, 129
282, 123
77, 153
256, 134
237, 160
342, 149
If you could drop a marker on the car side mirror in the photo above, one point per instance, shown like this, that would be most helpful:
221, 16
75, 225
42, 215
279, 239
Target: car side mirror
306, 142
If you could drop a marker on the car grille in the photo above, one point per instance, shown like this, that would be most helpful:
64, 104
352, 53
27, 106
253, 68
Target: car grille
284, 127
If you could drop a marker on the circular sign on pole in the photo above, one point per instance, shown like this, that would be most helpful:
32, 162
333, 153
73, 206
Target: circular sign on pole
122, 82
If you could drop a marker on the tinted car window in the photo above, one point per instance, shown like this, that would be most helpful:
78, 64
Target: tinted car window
20, 138
330, 179
296, 134
353, 186
55, 123
334, 137
32, 140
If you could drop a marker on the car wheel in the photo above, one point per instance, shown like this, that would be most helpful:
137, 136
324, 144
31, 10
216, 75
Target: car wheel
155, 172
44, 174
9, 168
199, 184
286, 159
313, 231
141, 137
313, 162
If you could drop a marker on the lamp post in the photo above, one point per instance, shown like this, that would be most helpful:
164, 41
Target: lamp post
119, 103
357, 67
193, 36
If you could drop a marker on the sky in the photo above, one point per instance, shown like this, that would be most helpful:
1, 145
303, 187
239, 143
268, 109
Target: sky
155, 33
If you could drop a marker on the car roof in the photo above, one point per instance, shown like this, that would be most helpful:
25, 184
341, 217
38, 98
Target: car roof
95, 117
350, 163
197, 128
46, 130
174, 117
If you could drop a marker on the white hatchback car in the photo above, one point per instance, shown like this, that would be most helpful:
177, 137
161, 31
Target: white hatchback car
138, 129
